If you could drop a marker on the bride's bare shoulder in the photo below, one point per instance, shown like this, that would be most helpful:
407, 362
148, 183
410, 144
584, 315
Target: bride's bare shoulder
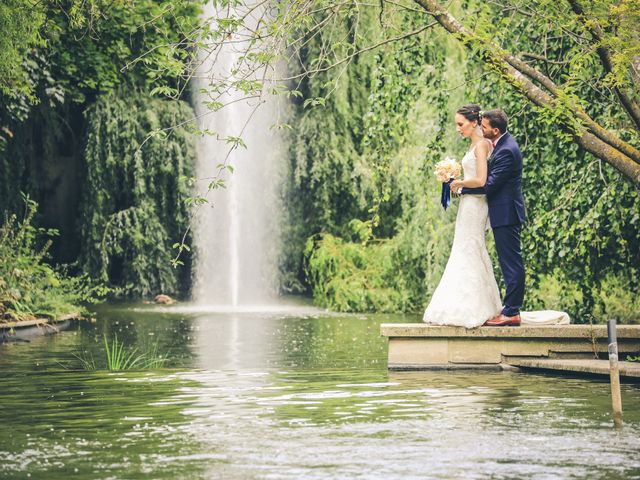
484, 146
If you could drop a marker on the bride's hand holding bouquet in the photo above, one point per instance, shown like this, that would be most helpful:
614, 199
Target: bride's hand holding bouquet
447, 171
456, 186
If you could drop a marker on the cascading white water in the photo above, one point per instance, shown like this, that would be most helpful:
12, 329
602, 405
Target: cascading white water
235, 234
234, 240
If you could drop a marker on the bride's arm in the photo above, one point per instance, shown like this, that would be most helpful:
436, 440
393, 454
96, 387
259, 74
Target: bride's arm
482, 152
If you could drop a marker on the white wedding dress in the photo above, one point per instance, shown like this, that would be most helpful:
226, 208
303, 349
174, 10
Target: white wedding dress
468, 294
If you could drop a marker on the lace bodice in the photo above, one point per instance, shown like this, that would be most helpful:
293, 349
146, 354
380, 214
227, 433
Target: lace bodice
469, 163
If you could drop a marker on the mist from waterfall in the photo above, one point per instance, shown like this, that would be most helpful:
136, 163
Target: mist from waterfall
236, 235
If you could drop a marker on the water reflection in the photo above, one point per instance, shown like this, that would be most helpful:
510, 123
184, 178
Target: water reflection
292, 396
217, 342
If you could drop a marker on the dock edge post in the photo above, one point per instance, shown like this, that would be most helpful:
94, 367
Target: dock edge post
614, 373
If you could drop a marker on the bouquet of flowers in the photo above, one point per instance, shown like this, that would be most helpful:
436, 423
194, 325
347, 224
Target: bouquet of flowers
446, 170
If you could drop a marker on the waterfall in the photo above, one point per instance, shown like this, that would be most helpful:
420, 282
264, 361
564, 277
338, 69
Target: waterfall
235, 234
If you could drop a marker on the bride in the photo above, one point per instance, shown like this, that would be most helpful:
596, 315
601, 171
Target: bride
468, 294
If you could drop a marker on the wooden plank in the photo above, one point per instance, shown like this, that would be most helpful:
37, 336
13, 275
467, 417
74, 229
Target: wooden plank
598, 367
39, 321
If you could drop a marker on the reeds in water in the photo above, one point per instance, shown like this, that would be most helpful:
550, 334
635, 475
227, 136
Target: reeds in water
118, 357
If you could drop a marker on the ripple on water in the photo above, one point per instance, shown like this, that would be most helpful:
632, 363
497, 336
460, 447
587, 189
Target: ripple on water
240, 403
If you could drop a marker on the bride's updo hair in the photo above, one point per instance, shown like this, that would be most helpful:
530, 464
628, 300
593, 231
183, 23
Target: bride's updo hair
471, 112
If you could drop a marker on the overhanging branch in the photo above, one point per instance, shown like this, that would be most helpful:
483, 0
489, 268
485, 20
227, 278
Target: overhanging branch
597, 140
630, 106
359, 52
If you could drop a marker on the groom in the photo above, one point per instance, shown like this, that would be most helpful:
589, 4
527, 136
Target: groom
506, 211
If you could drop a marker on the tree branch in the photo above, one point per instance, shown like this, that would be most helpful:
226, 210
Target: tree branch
359, 52
630, 106
542, 58
600, 142
602, 133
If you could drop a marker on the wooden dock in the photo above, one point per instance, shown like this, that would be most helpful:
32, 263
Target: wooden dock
569, 348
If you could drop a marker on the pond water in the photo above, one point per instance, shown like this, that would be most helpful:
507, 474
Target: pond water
293, 393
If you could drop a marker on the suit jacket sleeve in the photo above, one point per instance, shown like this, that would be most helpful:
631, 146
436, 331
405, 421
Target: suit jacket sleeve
501, 171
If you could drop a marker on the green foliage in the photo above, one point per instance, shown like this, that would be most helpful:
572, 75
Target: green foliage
64, 55
364, 139
404, 269
88, 44
134, 203
342, 149
118, 358
92, 56
584, 220
69, 51
29, 36
351, 276
618, 299
20, 24
29, 287
329, 183
582, 240
393, 141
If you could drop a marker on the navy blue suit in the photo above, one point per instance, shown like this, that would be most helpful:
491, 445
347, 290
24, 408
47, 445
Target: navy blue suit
507, 214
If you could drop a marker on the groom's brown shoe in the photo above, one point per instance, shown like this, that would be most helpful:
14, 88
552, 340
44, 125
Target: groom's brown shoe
503, 321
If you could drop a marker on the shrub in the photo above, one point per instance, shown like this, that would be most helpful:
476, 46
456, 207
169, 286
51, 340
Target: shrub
29, 287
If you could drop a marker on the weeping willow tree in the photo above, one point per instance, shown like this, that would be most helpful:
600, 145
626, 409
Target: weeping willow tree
362, 199
135, 190
581, 240
79, 150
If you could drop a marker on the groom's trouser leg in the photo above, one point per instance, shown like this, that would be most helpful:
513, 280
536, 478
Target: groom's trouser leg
510, 256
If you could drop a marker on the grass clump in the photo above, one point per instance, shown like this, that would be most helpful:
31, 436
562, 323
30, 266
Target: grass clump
117, 357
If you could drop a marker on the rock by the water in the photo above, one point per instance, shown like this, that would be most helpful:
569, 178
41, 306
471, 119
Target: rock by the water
164, 299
